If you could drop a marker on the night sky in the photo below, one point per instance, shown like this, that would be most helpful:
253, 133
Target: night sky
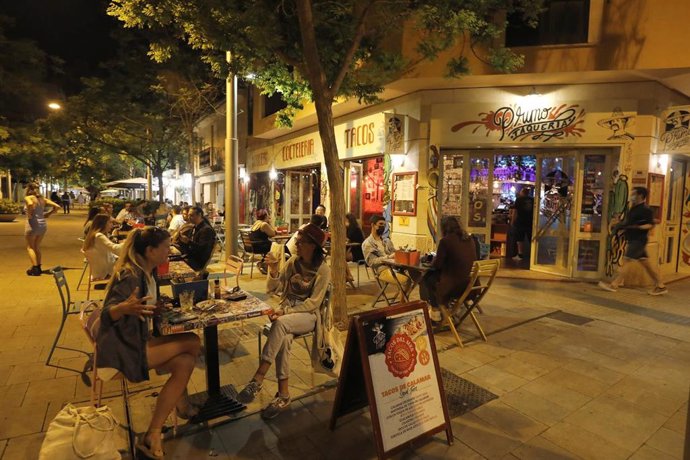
77, 31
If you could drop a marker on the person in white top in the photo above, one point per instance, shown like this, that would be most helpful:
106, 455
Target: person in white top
127, 213
177, 220
99, 250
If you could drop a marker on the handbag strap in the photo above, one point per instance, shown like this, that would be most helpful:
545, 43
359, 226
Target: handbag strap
101, 412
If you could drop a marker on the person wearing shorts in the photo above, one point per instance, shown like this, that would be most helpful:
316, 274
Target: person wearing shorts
36, 225
636, 225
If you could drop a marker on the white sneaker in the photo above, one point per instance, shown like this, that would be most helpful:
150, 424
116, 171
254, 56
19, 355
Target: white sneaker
517, 258
607, 287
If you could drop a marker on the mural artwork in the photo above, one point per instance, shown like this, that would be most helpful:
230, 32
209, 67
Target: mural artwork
618, 207
518, 123
617, 123
677, 129
432, 181
685, 237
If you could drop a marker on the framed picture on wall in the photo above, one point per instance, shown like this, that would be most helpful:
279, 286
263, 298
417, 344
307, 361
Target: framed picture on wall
655, 194
405, 194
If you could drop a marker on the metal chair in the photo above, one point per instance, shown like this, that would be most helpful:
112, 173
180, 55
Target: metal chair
248, 246
361, 263
90, 318
69, 307
481, 277
83, 272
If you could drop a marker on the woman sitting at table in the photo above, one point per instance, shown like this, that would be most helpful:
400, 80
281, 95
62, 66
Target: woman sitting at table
124, 340
302, 284
451, 267
99, 250
93, 212
354, 235
260, 233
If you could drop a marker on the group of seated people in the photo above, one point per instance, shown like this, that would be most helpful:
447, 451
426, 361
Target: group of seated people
191, 234
126, 343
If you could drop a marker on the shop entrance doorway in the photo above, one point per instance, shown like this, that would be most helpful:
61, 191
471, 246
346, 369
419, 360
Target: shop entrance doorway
365, 189
299, 191
566, 232
675, 236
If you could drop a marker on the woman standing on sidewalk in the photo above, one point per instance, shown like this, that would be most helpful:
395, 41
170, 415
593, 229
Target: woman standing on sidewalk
36, 225
124, 340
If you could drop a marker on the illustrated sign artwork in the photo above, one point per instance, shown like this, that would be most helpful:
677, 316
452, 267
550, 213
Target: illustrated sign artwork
518, 123
398, 368
685, 236
618, 123
676, 129
395, 134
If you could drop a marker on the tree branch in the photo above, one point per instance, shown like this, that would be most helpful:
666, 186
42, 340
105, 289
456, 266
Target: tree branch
356, 41
312, 60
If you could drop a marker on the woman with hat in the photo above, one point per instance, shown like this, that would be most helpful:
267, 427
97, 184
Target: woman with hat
302, 284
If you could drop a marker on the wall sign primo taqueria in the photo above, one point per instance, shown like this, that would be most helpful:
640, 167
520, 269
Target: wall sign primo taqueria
519, 123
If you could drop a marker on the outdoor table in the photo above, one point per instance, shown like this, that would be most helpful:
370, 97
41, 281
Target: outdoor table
219, 400
177, 269
413, 272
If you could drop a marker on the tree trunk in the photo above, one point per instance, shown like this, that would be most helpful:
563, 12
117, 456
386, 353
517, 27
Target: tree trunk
190, 164
161, 190
324, 113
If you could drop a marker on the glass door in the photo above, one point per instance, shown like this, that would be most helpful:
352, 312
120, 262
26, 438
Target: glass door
675, 235
553, 229
299, 191
480, 175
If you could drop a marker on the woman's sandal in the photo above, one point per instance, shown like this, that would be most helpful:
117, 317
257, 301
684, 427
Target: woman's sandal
145, 449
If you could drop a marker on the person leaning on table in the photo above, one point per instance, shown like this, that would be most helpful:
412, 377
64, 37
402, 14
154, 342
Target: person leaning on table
377, 249
125, 343
302, 284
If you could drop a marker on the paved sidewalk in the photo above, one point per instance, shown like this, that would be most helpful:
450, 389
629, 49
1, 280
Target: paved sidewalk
579, 373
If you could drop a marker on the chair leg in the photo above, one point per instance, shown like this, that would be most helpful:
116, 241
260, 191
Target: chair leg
251, 267
128, 416
259, 355
88, 290
479, 328
57, 337
86, 265
449, 319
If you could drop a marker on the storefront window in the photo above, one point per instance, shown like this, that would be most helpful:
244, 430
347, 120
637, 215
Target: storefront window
294, 194
306, 194
588, 255
479, 192
355, 189
373, 190
592, 193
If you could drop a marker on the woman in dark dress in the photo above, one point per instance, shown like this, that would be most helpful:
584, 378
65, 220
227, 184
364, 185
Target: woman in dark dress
354, 235
451, 266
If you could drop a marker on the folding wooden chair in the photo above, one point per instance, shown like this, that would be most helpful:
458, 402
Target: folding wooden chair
382, 290
69, 307
481, 278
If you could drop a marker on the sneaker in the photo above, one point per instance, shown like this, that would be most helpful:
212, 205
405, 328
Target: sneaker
249, 392
278, 405
607, 287
517, 258
658, 291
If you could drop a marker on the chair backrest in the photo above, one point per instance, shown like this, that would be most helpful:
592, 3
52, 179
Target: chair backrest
63, 287
234, 265
90, 318
481, 277
247, 242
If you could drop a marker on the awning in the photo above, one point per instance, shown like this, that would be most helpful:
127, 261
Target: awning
136, 182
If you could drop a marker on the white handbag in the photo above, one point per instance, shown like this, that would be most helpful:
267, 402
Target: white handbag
81, 433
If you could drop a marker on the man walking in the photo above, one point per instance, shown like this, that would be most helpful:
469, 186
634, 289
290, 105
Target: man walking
636, 225
521, 220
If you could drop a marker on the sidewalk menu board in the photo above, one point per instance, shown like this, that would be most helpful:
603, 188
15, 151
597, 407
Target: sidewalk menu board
391, 356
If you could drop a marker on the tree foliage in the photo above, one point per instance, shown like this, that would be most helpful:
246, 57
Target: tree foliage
322, 50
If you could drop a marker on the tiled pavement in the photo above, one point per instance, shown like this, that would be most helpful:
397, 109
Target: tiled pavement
613, 385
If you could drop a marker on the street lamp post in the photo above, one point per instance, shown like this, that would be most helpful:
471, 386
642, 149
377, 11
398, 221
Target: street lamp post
232, 202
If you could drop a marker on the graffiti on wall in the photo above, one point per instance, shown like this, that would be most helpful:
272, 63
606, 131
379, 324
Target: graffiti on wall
685, 236
432, 181
518, 123
676, 133
618, 207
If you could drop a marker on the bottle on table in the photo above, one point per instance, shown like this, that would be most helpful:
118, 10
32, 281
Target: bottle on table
216, 289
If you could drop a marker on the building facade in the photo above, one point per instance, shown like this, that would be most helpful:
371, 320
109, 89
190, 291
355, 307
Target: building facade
596, 110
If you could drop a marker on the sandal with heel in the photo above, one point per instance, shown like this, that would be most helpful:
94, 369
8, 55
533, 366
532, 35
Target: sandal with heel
145, 449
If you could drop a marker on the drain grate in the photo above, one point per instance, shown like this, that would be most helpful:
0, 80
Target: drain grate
462, 395
569, 318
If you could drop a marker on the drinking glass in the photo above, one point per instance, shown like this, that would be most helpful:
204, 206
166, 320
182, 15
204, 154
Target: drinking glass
187, 300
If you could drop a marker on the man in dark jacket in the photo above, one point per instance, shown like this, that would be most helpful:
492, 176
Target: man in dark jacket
198, 248
636, 225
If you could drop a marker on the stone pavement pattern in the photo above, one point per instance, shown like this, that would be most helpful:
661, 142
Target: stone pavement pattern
611, 384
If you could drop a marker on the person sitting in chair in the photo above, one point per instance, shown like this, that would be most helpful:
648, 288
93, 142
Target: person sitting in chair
260, 233
377, 249
198, 248
302, 284
450, 268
